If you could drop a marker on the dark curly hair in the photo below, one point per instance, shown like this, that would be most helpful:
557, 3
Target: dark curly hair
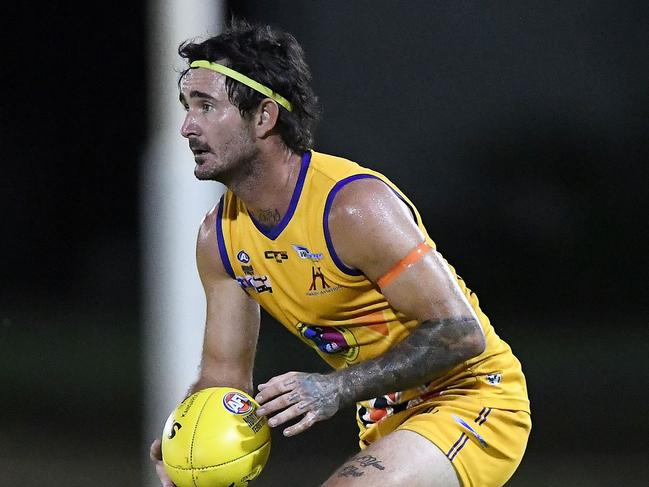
271, 57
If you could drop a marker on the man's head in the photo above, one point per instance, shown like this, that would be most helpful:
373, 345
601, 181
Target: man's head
273, 59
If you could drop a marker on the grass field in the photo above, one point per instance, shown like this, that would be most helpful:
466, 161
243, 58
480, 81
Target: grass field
72, 411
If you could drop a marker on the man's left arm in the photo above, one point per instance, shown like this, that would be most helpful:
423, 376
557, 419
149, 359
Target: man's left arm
422, 288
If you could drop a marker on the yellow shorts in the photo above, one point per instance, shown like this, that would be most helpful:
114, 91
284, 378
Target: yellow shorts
485, 445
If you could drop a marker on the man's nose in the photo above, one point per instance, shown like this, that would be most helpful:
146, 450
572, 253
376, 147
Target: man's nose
190, 126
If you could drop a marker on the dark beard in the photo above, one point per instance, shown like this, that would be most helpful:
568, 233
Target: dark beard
235, 173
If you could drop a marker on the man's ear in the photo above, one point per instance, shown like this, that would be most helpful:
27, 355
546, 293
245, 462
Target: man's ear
266, 117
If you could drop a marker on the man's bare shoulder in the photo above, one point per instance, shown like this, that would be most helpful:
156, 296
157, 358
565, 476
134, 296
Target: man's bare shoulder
207, 229
207, 251
363, 200
371, 227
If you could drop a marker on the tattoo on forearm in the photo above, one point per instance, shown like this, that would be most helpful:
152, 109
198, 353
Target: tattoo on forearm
356, 466
430, 350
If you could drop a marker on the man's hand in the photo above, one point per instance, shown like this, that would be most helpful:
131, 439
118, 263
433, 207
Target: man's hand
294, 394
156, 457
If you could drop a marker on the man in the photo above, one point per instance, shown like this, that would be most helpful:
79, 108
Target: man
337, 254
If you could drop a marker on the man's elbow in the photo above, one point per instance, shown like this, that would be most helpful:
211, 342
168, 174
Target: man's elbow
474, 341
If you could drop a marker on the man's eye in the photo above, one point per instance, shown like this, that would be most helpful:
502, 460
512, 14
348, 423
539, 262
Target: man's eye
207, 107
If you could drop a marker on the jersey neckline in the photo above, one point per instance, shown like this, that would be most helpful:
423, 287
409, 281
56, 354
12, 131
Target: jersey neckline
274, 232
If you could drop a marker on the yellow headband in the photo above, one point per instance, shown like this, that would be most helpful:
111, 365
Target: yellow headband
242, 78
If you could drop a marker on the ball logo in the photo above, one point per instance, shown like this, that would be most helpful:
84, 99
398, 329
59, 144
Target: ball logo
237, 403
174, 429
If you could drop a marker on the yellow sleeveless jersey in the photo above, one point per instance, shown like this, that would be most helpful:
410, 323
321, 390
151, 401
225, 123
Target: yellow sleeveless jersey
293, 272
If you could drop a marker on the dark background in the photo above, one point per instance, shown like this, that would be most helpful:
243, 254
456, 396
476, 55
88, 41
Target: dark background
520, 130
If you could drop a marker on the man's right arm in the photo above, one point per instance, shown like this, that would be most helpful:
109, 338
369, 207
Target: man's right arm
231, 329
232, 319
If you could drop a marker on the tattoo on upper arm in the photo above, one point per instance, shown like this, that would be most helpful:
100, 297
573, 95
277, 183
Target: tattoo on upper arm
356, 466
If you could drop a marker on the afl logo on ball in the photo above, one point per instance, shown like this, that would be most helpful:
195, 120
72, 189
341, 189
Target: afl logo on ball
237, 403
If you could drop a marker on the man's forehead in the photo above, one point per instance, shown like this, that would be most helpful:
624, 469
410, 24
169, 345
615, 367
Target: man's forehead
204, 80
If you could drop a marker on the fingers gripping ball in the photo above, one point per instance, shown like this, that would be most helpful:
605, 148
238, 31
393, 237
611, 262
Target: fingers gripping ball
214, 438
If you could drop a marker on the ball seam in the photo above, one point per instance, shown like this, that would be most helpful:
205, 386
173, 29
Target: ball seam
191, 448
219, 464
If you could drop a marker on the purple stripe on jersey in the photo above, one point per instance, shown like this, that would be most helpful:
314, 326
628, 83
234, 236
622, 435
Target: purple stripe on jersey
221, 242
412, 210
274, 232
466, 438
462, 436
484, 418
330, 198
480, 415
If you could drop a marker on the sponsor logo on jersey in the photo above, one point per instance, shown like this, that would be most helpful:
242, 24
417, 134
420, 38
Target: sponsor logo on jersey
495, 378
317, 277
305, 253
243, 257
278, 255
331, 340
319, 284
260, 284
248, 270
237, 403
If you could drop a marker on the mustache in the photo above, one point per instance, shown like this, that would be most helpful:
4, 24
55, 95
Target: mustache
195, 145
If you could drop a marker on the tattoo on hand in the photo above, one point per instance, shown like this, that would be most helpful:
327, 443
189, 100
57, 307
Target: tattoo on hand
320, 395
311, 397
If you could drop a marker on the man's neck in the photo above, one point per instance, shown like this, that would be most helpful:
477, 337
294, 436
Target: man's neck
267, 192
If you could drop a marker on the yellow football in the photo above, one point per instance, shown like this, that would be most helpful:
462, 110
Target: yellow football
214, 438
